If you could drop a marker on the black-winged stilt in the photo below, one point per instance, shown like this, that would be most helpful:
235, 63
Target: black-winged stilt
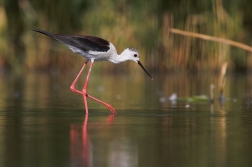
94, 49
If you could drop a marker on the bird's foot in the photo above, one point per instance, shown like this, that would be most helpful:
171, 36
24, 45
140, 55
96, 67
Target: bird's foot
111, 109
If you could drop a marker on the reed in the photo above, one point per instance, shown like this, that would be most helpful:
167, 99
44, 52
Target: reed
208, 28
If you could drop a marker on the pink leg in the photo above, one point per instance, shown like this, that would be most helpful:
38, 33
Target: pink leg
72, 87
84, 90
85, 95
105, 104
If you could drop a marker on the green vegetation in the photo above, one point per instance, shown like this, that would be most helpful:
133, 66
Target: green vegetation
141, 24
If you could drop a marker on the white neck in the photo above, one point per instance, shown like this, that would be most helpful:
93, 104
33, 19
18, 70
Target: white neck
119, 58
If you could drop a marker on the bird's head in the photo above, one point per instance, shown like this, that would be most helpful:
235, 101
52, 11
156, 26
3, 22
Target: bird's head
132, 54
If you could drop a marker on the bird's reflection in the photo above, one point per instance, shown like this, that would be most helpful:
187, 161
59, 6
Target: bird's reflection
80, 145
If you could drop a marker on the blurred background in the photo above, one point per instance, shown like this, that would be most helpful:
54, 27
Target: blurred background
141, 24
195, 112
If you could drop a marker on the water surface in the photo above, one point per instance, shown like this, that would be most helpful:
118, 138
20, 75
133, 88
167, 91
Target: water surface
43, 123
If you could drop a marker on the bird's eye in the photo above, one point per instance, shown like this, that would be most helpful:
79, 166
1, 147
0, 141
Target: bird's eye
135, 55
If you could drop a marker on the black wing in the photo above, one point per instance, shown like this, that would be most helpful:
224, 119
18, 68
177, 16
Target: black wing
83, 42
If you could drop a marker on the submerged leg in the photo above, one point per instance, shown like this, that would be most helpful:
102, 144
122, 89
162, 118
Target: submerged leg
85, 95
72, 87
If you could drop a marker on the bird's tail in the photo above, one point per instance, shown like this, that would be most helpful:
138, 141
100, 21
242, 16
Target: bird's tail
43, 32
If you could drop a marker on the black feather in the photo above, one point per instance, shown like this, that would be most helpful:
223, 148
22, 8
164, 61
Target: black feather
82, 42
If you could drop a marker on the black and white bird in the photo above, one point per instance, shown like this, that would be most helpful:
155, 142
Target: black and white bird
94, 49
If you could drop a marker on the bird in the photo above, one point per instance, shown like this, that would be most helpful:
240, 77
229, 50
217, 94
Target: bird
94, 49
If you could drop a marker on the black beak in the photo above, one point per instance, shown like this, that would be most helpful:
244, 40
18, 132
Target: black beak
144, 69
